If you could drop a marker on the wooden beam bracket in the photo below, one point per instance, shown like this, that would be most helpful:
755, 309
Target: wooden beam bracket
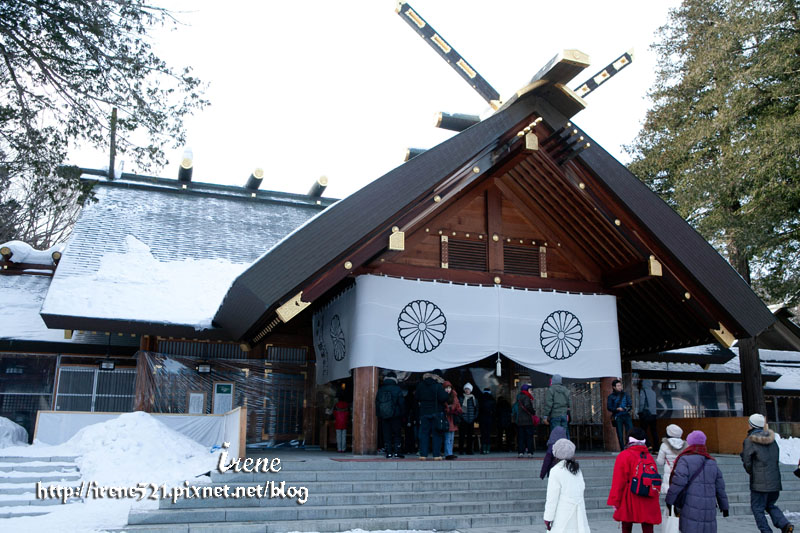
397, 240
292, 308
723, 336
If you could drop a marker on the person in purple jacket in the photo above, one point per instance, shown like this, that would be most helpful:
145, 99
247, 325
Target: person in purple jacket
559, 432
696, 472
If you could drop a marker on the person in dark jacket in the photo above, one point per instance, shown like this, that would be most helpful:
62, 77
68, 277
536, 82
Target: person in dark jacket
411, 422
390, 407
549, 459
486, 415
647, 412
696, 473
505, 431
556, 405
525, 427
760, 456
431, 397
619, 404
469, 415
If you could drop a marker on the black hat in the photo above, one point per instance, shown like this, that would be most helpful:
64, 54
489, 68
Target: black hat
391, 374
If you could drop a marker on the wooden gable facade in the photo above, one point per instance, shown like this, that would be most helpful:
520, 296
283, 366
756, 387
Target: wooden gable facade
523, 199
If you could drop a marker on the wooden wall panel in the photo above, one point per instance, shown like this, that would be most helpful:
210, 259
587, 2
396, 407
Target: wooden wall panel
515, 225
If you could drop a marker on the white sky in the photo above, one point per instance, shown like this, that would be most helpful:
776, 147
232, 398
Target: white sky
341, 89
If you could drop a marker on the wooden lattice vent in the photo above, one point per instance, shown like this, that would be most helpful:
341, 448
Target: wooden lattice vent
463, 254
521, 260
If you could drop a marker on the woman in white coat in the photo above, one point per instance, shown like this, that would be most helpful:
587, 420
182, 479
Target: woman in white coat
564, 509
671, 447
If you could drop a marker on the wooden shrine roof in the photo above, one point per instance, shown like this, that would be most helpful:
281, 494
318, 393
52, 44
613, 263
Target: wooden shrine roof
610, 222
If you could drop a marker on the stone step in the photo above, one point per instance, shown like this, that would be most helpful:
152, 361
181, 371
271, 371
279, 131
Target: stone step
343, 508
418, 522
44, 467
5, 489
25, 478
30, 501
392, 476
24, 510
381, 494
55, 459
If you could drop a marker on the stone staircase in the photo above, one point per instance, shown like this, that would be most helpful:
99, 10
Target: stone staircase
407, 495
18, 478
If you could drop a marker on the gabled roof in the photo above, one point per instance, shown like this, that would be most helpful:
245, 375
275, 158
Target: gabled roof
154, 257
353, 231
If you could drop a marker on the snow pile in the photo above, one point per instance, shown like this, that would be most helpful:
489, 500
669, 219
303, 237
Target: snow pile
136, 286
25, 253
132, 449
123, 452
12, 434
790, 449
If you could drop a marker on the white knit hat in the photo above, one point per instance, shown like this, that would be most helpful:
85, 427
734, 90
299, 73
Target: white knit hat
468, 385
674, 431
563, 449
757, 421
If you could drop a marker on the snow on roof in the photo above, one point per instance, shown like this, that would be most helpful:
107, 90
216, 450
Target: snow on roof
731, 367
164, 255
19, 311
25, 253
790, 377
134, 285
779, 356
785, 364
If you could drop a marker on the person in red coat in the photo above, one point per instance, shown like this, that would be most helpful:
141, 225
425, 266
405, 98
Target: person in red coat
341, 418
630, 508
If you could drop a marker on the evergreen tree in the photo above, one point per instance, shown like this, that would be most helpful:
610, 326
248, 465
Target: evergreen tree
64, 65
721, 143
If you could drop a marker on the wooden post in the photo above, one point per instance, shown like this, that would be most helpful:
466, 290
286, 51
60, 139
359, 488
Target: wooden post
610, 441
494, 226
752, 392
365, 423
143, 394
111, 162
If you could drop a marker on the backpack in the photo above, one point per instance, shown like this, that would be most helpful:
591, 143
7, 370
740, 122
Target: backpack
646, 480
385, 403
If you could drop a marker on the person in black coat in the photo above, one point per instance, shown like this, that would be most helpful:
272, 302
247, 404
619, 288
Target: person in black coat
390, 408
760, 456
505, 430
431, 397
486, 415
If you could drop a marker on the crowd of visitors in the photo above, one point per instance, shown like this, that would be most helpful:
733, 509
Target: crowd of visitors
683, 475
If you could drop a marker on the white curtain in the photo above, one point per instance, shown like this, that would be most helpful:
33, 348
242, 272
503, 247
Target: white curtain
417, 326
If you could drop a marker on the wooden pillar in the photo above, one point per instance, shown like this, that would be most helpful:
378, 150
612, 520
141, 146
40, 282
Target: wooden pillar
752, 391
494, 226
365, 423
610, 441
143, 388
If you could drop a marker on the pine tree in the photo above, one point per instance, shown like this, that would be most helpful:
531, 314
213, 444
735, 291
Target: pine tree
721, 143
64, 65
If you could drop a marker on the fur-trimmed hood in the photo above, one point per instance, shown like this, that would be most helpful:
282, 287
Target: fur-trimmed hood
676, 444
435, 377
762, 436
